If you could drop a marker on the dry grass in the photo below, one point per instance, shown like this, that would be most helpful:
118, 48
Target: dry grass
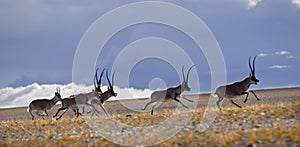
266, 125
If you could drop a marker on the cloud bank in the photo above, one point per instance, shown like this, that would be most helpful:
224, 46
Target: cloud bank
22, 96
285, 53
278, 66
282, 53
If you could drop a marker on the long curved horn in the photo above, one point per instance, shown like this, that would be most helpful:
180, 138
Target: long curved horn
250, 65
253, 65
99, 82
96, 78
188, 73
110, 85
113, 78
182, 70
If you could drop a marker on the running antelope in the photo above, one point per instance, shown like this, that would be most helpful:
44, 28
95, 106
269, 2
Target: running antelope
43, 105
66, 104
87, 98
110, 89
71, 102
172, 93
238, 88
104, 96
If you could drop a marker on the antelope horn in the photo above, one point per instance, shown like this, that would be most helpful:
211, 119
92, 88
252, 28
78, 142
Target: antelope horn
96, 78
113, 77
108, 79
182, 70
253, 65
250, 65
99, 82
188, 73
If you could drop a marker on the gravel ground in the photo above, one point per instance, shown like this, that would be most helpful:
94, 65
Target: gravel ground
269, 96
272, 121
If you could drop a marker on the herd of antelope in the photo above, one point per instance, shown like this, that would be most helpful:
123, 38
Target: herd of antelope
96, 96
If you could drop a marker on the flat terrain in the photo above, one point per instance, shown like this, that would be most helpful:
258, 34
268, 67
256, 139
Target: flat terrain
274, 120
270, 96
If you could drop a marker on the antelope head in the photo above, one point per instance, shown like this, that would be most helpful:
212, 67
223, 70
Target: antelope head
110, 86
184, 85
97, 82
57, 95
253, 79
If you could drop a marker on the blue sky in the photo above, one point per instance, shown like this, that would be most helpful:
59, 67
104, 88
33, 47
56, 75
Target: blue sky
38, 40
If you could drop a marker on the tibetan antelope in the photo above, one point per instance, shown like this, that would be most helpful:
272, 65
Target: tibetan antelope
172, 93
110, 89
238, 88
66, 104
87, 98
71, 102
43, 105
104, 96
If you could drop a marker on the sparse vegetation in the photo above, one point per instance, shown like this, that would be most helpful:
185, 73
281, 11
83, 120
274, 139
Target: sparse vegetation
266, 125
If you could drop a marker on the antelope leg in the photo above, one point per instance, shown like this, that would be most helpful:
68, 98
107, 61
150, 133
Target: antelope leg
60, 109
153, 107
180, 102
218, 102
104, 109
148, 104
61, 115
247, 94
187, 99
235, 104
32, 117
46, 112
254, 94
78, 113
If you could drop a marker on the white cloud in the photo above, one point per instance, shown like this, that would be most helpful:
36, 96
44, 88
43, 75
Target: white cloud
282, 53
22, 96
287, 54
253, 3
262, 55
296, 2
292, 57
278, 66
